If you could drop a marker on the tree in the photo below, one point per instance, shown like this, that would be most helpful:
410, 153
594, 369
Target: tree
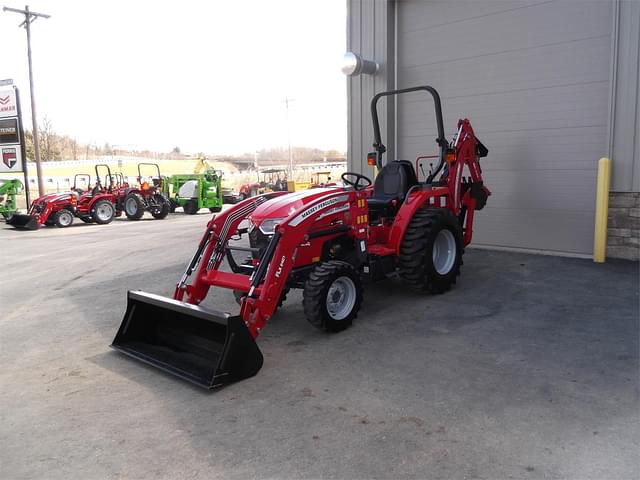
49, 143
28, 142
176, 150
74, 149
107, 149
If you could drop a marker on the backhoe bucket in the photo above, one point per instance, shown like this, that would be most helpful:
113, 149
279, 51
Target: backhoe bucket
26, 222
206, 347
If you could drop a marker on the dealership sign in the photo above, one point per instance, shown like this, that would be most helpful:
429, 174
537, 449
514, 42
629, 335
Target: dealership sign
11, 141
8, 104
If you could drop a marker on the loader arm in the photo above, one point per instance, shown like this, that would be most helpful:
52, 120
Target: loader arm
278, 259
211, 249
267, 282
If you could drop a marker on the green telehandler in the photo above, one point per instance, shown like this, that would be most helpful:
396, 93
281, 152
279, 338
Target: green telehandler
195, 191
9, 189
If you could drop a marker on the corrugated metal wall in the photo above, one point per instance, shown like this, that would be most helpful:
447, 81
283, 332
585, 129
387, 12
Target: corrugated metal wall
369, 33
550, 87
533, 78
625, 127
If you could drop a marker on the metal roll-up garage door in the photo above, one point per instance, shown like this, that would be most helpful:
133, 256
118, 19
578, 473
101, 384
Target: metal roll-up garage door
533, 78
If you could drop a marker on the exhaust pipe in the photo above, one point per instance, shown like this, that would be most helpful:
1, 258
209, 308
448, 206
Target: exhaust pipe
205, 347
24, 222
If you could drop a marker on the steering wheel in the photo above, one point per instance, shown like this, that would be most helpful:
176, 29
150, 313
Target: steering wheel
365, 180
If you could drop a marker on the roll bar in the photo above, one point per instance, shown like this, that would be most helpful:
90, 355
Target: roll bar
82, 175
441, 140
150, 165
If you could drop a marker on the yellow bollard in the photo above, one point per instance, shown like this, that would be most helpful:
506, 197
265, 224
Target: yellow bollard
602, 210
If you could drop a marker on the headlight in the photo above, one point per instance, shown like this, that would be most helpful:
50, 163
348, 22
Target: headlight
268, 226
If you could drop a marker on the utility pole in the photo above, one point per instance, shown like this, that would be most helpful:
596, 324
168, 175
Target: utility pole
287, 101
29, 18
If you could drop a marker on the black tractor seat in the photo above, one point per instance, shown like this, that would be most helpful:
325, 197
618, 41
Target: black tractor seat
392, 183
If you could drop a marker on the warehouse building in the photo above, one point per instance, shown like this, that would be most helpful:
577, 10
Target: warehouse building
550, 87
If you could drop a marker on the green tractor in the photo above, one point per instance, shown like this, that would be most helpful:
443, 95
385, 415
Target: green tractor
195, 191
9, 189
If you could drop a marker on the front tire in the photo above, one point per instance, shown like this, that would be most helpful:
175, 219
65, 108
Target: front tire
431, 251
163, 207
103, 212
332, 295
191, 207
134, 206
63, 218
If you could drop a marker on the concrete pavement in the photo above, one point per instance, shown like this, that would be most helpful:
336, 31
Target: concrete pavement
528, 368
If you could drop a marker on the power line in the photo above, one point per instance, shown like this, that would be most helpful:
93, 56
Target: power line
29, 18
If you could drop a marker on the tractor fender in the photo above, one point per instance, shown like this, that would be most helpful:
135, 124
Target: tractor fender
100, 196
414, 201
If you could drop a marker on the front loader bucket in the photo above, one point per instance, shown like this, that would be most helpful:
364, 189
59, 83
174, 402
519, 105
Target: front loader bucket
26, 222
206, 347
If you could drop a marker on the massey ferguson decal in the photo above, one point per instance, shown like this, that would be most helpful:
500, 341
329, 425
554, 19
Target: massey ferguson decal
9, 156
318, 206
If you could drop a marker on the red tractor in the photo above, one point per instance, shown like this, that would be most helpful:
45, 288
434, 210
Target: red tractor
273, 180
323, 241
148, 197
95, 205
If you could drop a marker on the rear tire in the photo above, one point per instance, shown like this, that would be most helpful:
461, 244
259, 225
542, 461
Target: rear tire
103, 212
162, 210
332, 295
191, 207
63, 218
134, 206
431, 251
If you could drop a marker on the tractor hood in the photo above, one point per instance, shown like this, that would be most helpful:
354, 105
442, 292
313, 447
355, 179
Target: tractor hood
52, 197
284, 205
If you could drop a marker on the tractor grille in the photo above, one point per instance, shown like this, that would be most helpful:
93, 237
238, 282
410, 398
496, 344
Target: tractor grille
259, 240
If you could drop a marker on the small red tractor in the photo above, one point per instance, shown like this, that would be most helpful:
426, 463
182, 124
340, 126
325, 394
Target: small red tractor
273, 180
321, 179
148, 197
321, 240
95, 205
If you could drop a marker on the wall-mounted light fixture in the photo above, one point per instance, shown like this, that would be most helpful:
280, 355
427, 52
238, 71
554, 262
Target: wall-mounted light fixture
353, 64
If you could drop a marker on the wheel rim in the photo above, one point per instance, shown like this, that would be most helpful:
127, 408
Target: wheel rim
104, 211
341, 298
444, 252
131, 206
65, 219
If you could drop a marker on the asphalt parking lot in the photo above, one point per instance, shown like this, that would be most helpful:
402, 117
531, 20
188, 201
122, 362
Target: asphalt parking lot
527, 369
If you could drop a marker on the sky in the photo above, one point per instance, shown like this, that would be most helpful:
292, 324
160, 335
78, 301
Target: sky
206, 76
